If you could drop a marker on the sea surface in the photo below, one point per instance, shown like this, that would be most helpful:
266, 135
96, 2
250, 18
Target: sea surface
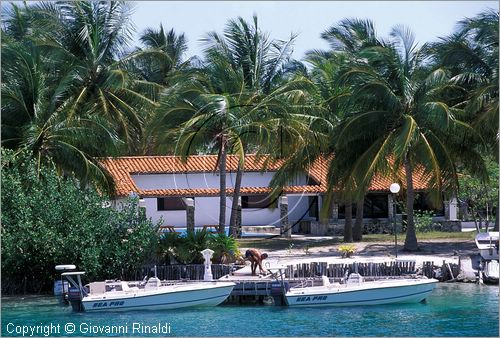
457, 310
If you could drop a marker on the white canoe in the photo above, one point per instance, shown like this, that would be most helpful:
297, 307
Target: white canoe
362, 293
160, 298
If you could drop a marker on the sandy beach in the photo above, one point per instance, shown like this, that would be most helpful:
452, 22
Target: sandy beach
436, 251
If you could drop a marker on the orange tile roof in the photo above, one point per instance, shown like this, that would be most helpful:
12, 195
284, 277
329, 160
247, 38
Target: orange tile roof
121, 169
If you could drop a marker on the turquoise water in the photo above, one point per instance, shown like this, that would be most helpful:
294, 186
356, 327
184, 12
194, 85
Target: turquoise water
452, 310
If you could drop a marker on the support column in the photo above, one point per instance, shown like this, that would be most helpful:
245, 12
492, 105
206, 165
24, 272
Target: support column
286, 231
238, 217
189, 214
323, 223
453, 209
446, 210
335, 212
390, 207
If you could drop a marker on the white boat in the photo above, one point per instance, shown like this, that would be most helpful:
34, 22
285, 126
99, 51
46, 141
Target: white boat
152, 295
358, 292
487, 243
491, 271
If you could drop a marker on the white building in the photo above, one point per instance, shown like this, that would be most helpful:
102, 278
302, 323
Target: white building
165, 184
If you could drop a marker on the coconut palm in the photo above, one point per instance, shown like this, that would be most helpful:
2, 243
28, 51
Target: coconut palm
403, 121
89, 40
471, 55
161, 62
260, 61
34, 118
345, 39
236, 100
164, 66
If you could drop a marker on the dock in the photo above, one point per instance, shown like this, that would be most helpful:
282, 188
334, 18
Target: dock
270, 289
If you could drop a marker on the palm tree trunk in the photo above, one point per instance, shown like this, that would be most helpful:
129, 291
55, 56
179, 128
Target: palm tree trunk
357, 233
411, 243
222, 174
348, 222
496, 219
233, 230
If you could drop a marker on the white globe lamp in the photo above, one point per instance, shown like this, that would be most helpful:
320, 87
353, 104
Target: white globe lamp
394, 188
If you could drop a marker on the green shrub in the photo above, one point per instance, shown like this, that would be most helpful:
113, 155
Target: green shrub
347, 250
225, 248
48, 219
186, 249
423, 220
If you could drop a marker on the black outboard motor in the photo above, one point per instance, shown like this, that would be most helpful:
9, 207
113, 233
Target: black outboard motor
75, 299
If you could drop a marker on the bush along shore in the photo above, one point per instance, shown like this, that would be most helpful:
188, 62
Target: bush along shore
49, 219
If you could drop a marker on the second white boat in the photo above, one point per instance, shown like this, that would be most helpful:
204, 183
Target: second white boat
358, 292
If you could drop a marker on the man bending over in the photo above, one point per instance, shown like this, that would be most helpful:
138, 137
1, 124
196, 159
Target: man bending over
256, 257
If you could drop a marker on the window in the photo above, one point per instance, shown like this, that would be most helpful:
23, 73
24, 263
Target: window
423, 202
171, 203
375, 206
313, 207
257, 202
311, 181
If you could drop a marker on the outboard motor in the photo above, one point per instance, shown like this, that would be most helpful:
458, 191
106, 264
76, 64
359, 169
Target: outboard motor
75, 299
61, 286
153, 283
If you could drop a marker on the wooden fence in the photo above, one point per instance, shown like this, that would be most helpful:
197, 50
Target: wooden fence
314, 269
178, 272
302, 271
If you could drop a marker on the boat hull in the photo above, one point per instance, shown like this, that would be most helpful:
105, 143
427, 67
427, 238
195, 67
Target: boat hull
174, 297
367, 293
487, 243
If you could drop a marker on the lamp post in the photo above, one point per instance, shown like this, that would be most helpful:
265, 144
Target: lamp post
394, 190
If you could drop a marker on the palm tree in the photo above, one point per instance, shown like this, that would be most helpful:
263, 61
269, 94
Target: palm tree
66, 94
161, 62
345, 39
89, 41
236, 100
471, 55
403, 121
357, 231
164, 66
35, 119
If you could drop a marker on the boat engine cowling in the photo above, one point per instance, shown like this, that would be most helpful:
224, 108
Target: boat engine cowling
355, 278
153, 283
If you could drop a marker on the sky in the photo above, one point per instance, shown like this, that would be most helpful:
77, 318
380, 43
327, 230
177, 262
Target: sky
427, 19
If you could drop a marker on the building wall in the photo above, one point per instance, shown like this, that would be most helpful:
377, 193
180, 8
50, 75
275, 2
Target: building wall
204, 180
207, 208
207, 212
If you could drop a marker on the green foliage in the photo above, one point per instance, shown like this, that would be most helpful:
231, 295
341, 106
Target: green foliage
423, 220
191, 246
167, 246
185, 249
347, 250
50, 220
225, 248
477, 193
